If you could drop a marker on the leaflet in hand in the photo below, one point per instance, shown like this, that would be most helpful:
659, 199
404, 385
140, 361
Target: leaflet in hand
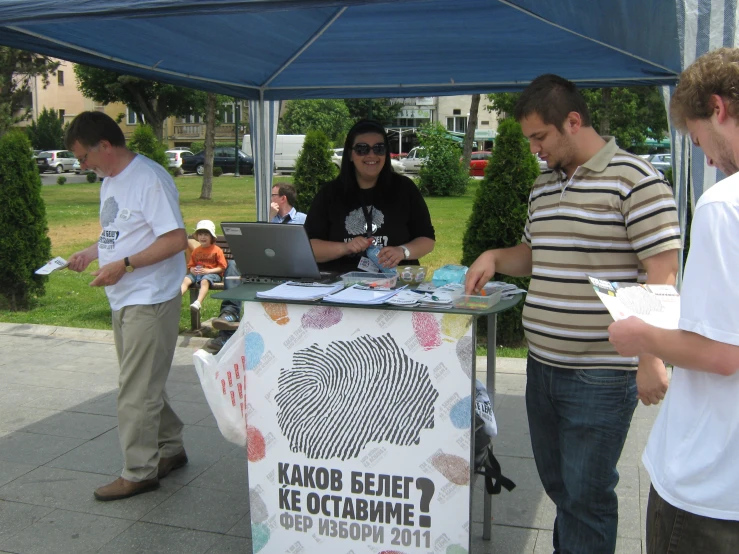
658, 305
52, 265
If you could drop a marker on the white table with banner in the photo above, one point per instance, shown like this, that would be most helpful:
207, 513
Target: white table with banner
359, 424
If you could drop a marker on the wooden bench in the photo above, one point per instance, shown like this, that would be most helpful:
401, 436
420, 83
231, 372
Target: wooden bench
195, 323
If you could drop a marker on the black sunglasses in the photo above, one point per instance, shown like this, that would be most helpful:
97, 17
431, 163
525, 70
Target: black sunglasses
362, 148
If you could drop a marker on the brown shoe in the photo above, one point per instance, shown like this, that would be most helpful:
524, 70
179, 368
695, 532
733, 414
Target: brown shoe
123, 488
167, 465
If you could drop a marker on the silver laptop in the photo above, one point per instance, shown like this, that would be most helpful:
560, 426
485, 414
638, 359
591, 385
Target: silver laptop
272, 253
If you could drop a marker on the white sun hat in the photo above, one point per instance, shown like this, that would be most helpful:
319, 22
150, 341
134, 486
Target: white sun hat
206, 225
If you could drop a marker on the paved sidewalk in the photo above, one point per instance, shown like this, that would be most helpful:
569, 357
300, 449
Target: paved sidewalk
59, 440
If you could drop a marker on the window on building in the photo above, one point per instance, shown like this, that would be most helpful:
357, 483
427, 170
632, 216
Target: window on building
457, 124
191, 119
484, 122
226, 113
457, 112
131, 117
60, 78
61, 114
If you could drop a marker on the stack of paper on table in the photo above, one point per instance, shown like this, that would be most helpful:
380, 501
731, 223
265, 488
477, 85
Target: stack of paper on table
359, 294
300, 291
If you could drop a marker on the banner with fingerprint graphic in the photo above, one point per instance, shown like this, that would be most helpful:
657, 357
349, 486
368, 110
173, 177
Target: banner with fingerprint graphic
358, 426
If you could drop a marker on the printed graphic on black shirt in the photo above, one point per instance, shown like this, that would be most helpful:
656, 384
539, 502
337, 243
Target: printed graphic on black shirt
356, 224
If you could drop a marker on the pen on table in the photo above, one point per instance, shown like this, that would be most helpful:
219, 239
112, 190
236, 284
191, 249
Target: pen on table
290, 284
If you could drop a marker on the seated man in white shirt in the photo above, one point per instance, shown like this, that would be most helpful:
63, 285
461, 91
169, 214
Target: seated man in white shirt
281, 207
281, 211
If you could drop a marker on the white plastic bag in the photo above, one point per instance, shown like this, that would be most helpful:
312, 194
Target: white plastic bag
223, 379
484, 409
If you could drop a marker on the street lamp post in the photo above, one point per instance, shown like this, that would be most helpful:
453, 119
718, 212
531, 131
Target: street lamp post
237, 119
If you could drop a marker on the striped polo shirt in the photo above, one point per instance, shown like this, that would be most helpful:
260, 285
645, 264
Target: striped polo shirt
615, 211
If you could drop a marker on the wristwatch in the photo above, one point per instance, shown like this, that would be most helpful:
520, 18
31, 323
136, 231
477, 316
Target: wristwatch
406, 252
129, 267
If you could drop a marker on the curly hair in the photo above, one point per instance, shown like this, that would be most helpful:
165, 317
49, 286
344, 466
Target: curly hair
716, 72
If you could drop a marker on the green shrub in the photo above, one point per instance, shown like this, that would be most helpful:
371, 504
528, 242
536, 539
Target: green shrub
145, 142
217, 171
499, 216
91, 177
669, 178
24, 244
442, 174
48, 132
61, 180
313, 168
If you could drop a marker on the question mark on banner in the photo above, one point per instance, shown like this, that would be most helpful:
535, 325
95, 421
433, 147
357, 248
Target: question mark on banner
427, 488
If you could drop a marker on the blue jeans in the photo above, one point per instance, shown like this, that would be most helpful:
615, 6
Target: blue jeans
578, 420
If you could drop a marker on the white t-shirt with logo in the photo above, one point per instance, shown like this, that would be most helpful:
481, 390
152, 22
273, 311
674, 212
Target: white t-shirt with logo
693, 450
138, 205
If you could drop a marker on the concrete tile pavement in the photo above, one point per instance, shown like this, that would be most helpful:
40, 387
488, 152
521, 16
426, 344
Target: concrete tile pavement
59, 440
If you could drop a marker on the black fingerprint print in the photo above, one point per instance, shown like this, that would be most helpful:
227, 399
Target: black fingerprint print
333, 402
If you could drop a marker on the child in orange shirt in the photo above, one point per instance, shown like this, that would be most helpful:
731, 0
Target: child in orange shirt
207, 262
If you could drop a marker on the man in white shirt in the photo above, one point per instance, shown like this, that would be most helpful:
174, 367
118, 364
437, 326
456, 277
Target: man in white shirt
141, 267
281, 210
284, 196
693, 449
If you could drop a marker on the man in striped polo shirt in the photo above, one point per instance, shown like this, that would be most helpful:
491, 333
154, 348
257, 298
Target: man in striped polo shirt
598, 211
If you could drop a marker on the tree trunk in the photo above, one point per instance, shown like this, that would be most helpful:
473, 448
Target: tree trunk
469, 135
605, 118
210, 142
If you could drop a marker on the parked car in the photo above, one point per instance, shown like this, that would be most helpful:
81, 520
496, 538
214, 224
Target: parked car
175, 156
661, 162
478, 163
415, 159
223, 157
55, 160
338, 152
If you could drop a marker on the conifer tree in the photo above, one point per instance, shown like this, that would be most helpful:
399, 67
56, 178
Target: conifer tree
313, 168
499, 215
24, 243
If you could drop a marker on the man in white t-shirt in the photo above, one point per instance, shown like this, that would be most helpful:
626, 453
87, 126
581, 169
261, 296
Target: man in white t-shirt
141, 267
693, 450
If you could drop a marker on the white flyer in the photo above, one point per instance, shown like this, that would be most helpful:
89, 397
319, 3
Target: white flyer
52, 265
658, 305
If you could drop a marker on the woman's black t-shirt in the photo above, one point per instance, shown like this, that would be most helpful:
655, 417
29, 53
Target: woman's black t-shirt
398, 211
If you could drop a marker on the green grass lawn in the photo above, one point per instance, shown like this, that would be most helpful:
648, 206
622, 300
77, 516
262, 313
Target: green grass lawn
72, 214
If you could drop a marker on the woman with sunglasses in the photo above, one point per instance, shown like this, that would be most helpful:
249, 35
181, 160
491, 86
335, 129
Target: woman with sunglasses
368, 204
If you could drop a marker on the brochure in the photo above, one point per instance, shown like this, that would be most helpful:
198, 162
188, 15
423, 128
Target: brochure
300, 291
658, 305
52, 265
360, 294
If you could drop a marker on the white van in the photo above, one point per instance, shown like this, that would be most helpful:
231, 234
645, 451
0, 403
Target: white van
287, 148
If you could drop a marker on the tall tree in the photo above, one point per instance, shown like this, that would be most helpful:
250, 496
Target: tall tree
469, 135
631, 114
328, 116
48, 132
210, 144
18, 69
383, 110
155, 101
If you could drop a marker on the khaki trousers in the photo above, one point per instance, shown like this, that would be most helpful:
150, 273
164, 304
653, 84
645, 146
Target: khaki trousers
145, 339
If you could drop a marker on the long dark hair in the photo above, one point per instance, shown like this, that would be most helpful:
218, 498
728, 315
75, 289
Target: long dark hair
347, 175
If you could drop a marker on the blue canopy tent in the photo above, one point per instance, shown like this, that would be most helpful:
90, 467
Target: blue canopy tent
270, 50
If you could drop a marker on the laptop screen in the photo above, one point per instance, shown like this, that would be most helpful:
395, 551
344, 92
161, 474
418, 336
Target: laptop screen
271, 252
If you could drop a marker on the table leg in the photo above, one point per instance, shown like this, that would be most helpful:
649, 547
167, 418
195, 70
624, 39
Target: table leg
487, 499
